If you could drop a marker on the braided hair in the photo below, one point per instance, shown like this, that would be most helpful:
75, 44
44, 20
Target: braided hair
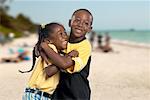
43, 33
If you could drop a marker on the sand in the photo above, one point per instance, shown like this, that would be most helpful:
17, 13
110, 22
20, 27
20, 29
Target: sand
120, 75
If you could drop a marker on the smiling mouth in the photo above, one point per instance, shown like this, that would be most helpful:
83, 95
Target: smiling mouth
78, 30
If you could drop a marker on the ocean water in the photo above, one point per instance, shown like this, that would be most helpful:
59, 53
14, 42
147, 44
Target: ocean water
131, 36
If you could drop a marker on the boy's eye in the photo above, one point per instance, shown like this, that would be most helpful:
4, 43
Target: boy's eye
87, 24
77, 20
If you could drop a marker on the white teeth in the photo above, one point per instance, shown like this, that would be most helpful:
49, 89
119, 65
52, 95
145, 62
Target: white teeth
78, 30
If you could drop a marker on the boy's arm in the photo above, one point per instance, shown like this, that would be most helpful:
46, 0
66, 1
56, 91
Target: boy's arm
60, 61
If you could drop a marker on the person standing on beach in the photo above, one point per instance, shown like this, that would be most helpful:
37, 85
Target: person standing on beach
107, 47
73, 84
92, 37
107, 39
99, 41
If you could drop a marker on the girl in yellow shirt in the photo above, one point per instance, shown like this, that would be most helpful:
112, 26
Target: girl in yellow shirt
41, 85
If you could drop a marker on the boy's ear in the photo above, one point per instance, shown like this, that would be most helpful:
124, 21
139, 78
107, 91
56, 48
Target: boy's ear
90, 29
69, 23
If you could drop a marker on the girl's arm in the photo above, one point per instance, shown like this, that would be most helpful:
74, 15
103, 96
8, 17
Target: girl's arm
50, 69
44, 57
58, 60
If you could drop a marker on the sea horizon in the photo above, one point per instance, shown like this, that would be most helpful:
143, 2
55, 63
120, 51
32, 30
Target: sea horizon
134, 36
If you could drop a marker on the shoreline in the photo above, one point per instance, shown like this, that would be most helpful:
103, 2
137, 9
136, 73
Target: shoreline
130, 43
113, 41
123, 42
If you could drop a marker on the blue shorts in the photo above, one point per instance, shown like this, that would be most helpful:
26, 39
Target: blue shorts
35, 94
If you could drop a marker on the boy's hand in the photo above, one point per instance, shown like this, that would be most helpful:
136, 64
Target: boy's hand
73, 53
43, 44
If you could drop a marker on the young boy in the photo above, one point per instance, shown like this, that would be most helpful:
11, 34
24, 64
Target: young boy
73, 84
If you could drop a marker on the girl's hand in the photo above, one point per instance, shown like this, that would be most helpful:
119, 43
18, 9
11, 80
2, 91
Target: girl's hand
73, 53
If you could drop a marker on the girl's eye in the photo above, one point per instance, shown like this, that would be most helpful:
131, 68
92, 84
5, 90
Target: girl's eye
65, 32
61, 33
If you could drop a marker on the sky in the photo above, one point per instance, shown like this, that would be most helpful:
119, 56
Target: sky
108, 14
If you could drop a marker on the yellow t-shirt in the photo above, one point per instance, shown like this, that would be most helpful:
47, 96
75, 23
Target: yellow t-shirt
38, 78
84, 49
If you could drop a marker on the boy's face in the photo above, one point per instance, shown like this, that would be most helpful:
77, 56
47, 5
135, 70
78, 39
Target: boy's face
59, 38
80, 24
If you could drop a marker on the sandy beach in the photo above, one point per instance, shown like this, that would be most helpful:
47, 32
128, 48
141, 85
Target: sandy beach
120, 75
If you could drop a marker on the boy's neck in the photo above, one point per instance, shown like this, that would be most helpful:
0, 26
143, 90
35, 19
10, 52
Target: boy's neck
73, 39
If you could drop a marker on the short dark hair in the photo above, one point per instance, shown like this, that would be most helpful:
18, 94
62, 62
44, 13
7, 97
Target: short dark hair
84, 10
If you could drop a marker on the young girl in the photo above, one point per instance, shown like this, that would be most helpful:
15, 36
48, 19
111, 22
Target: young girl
40, 85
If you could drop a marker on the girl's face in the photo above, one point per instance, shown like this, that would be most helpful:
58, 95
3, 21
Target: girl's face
59, 37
